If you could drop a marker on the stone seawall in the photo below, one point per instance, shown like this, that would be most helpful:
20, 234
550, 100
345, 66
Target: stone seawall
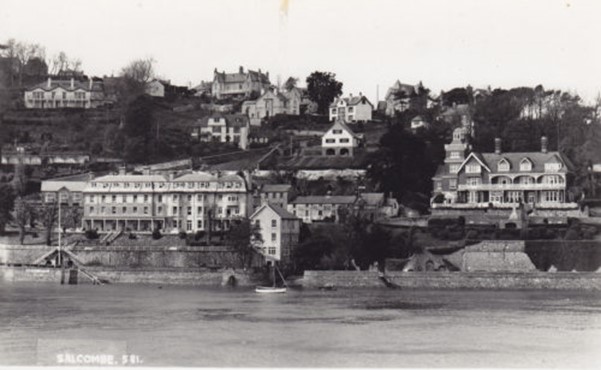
454, 280
129, 257
133, 276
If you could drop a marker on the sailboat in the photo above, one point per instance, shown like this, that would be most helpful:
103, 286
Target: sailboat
274, 288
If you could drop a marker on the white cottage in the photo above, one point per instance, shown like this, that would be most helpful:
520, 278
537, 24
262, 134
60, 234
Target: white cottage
351, 109
340, 140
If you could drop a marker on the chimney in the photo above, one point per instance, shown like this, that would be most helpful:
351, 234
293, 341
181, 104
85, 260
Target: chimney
241, 69
49, 82
544, 144
360, 93
72, 82
122, 170
146, 171
350, 95
91, 84
497, 145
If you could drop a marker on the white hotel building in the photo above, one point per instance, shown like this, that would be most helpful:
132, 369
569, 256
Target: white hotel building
142, 203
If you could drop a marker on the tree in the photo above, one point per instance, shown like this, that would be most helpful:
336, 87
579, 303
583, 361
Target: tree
290, 83
22, 217
20, 54
71, 218
61, 63
48, 214
323, 88
7, 199
402, 165
136, 76
243, 237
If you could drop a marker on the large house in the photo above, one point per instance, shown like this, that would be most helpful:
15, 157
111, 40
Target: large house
502, 180
224, 128
71, 93
276, 194
142, 203
272, 102
340, 140
351, 109
279, 229
239, 85
66, 190
401, 97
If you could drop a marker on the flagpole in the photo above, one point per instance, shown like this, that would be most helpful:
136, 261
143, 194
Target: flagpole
59, 233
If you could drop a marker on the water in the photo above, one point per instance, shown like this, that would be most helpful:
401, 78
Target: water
187, 326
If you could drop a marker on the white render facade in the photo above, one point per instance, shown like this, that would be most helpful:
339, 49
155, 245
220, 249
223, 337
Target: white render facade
143, 203
55, 94
339, 140
352, 109
279, 230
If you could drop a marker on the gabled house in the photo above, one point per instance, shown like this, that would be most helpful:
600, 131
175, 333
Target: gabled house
70, 93
340, 140
279, 229
224, 128
351, 109
401, 97
271, 103
277, 194
67, 190
239, 85
156, 88
507, 180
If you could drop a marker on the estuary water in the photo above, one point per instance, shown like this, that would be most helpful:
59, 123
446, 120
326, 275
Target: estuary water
49, 324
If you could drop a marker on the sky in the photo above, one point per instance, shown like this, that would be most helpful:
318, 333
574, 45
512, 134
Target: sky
368, 44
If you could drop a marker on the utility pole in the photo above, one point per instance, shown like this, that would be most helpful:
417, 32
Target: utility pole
59, 232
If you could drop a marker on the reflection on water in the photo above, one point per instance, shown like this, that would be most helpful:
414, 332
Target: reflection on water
187, 326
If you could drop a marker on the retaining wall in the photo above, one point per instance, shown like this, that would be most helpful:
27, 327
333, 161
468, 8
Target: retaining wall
455, 280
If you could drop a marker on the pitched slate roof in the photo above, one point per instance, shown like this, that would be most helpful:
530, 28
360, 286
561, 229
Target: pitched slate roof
325, 199
538, 160
97, 86
398, 86
278, 210
352, 101
131, 178
276, 188
241, 77
340, 122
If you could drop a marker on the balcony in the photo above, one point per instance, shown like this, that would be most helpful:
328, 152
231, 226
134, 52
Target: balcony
506, 187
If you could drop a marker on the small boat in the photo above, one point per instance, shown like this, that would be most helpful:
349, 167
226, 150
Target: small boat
274, 288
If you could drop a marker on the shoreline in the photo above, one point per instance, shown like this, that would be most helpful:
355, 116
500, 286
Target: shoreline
328, 280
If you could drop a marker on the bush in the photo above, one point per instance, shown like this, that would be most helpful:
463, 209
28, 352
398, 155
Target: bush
156, 234
182, 235
132, 236
91, 234
199, 235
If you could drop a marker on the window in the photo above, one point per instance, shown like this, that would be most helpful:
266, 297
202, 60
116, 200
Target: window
135, 209
189, 211
160, 209
102, 210
175, 197
551, 167
113, 210
160, 198
473, 168
199, 224
350, 109
188, 225
124, 209
189, 198
199, 197
472, 181
145, 198
452, 184
103, 198
332, 111
274, 237
216, 130
145, 210
271, 250
274, 223
330, 141
258, 223
454, 168
91, 198
135, 198
345, 140
114, 198
175, 210
91, 209
337, 132
525, 165
454, 155
199, 210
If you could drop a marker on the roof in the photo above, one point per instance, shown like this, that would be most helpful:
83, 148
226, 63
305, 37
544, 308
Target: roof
351, 101
231, 120
196, 176
340, 123
278, 210
73, 182
325, 199
241, 77
97, 86
131, 178
371, 199
538, 160
398, 86
276, 187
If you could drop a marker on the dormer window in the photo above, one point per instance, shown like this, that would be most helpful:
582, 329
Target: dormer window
473, 168
337, 132
525, 165
503, 165
552, 167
